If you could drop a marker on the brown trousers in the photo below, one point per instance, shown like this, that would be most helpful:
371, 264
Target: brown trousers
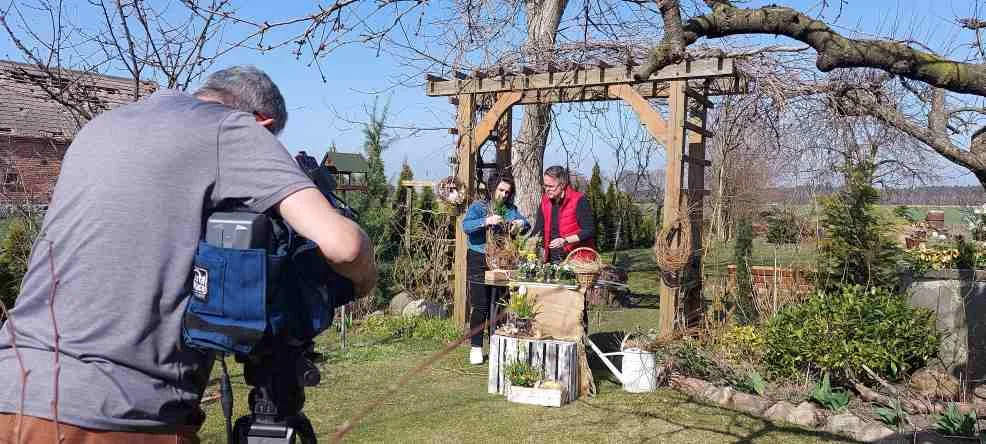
36, 430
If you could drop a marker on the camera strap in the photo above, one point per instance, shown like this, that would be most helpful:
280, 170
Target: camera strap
226, 398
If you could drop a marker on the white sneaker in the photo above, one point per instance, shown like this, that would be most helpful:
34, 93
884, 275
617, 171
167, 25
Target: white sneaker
476, 355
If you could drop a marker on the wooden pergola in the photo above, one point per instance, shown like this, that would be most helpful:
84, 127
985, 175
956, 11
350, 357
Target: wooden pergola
484, 100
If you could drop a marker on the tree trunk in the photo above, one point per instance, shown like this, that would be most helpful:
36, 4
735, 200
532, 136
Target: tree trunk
718, 230
528, 157
543, 17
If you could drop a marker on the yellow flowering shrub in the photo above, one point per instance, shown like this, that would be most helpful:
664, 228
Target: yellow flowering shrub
741, 343
935, 257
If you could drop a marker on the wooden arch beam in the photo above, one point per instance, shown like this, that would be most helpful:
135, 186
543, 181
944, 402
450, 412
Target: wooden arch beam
503, 103
649, 117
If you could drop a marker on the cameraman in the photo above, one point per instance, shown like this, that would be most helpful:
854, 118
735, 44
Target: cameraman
115, 253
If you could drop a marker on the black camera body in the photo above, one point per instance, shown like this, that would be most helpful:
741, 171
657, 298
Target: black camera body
282, 363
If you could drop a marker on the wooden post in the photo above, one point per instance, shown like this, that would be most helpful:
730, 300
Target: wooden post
694, 303
504, 141
466, 175
672, 187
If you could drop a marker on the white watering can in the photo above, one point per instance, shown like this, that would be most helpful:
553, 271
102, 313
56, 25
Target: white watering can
639, 373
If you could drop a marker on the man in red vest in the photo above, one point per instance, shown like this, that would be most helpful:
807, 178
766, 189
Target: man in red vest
564, 219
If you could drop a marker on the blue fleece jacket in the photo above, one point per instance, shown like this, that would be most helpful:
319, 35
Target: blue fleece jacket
474, 223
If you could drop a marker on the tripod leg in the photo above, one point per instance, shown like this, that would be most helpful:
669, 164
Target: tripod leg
240, 430
303, 430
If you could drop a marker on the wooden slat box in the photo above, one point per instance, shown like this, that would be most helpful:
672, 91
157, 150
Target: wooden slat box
536, 396
558, 361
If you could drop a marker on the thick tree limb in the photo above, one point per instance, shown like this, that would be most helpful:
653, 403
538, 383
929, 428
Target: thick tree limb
834, 50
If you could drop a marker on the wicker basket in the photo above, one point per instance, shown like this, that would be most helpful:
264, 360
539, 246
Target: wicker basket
586, 273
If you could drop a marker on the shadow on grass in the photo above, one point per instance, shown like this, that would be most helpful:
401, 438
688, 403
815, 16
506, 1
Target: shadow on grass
763, 428
641, 300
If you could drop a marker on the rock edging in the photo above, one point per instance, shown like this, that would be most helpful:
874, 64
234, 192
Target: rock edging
806, 414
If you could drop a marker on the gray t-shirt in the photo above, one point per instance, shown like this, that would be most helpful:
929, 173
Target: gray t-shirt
122, 227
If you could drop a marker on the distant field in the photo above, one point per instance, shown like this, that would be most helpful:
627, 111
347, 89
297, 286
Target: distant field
953, 213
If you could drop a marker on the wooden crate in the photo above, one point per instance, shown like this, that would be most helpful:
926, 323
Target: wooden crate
558, 361
536, 396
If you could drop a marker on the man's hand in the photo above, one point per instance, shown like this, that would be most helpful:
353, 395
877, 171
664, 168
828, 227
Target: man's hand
494, 220
557, 242
343, 243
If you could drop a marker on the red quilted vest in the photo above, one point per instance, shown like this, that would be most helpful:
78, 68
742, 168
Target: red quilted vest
568, 224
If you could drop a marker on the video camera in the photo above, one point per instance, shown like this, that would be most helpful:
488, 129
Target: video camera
299, 297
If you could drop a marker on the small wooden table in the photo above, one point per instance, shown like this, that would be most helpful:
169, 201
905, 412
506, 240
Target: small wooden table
499, 288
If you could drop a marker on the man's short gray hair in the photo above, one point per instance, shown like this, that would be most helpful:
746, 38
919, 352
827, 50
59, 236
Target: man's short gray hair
250, 90
559, 173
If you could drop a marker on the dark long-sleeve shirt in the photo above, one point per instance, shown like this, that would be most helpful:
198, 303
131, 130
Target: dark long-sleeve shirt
583, 214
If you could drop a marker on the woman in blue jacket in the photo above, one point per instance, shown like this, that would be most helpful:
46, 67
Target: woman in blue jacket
479, 217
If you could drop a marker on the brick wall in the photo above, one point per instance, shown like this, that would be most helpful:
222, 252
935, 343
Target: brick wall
29, 168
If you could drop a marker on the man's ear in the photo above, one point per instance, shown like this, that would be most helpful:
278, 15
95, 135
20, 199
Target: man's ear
266, 122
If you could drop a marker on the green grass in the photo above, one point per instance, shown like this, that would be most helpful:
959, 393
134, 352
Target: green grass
449, 403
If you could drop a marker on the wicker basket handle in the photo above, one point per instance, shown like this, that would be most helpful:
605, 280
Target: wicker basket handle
571, 253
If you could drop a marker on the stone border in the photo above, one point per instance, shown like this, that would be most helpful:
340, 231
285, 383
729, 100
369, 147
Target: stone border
951, 274
806, 414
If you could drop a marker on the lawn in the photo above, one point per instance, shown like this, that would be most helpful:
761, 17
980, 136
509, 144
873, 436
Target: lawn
448, 402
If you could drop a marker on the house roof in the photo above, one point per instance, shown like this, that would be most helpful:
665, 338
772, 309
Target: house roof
346, 162
27, 110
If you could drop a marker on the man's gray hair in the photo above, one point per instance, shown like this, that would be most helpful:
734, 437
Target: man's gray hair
559, 173
247, 89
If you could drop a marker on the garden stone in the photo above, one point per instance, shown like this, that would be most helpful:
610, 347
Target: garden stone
751, 404
805, 414
958, 298
719, 395
779, 411
376, 313
844, 423
935, 383
692, 386
875, 432
398, 303
425, 308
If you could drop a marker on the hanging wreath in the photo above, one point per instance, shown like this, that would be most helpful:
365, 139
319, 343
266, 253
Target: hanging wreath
450, 191
672, 249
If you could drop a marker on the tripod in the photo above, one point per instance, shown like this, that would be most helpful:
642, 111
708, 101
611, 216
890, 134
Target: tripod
277, 397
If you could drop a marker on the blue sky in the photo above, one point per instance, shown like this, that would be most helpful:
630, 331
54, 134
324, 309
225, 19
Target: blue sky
353, 72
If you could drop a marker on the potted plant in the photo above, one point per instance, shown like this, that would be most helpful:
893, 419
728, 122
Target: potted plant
526, 386
522, 310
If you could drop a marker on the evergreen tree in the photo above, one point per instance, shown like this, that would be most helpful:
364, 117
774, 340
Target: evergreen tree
858, 249
399, 204
597, 201
635, 220
611, 217
427, 204
375, 213
647, 229
742, 251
